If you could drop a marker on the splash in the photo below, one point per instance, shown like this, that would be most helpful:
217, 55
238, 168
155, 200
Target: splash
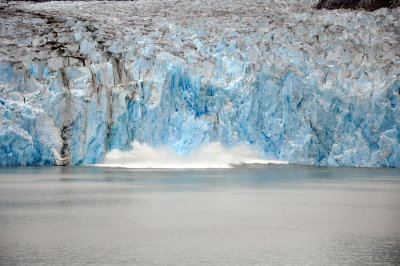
211, 155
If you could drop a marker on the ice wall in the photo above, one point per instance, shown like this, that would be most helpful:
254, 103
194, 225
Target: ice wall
317, 87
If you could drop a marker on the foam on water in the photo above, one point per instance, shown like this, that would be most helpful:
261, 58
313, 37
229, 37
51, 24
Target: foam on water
211, 155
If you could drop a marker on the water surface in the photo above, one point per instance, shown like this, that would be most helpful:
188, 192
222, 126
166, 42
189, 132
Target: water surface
272, 215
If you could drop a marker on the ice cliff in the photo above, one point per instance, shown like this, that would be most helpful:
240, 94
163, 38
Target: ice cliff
318, 87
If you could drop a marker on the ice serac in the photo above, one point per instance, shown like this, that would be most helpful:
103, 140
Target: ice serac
317, 87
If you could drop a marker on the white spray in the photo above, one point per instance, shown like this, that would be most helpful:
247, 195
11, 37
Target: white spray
211, 155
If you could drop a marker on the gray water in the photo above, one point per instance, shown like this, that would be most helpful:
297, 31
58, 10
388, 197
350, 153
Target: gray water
271, 215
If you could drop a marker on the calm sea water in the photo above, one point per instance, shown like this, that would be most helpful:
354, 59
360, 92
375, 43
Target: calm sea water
271, 215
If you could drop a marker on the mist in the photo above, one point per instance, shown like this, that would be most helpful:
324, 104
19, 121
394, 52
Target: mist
210, 155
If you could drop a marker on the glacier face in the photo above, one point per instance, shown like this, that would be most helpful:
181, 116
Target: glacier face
318, 88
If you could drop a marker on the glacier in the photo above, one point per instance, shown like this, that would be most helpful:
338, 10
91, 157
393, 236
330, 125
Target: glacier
315, 87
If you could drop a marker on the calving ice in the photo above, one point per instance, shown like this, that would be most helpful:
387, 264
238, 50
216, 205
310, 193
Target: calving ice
316, 87
210, 155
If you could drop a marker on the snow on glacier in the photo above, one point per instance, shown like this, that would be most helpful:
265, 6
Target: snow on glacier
79, 79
